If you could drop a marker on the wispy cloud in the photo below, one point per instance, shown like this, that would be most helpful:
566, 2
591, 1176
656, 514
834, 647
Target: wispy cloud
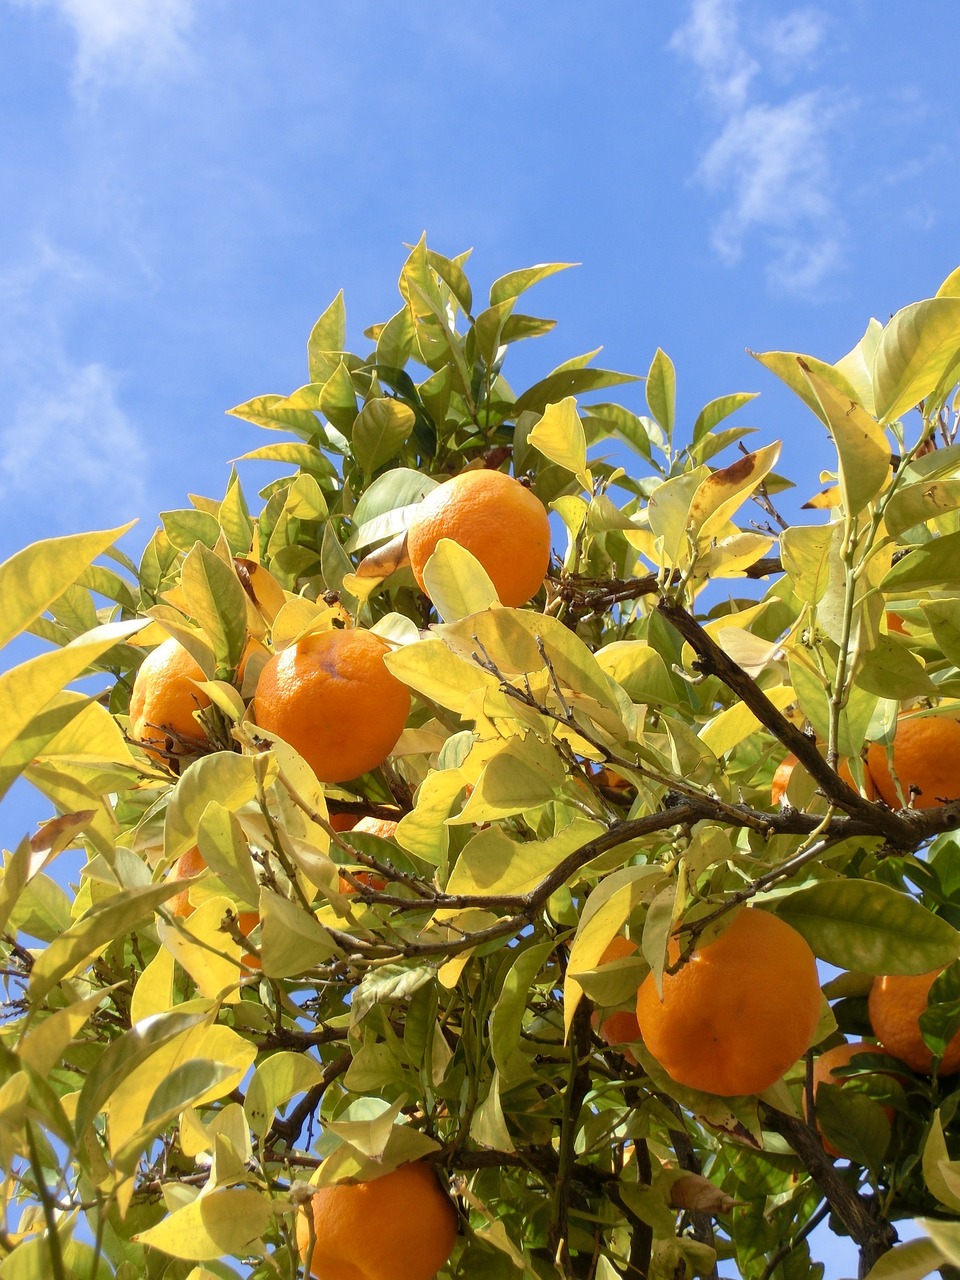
119, 40
65, 434
770, 162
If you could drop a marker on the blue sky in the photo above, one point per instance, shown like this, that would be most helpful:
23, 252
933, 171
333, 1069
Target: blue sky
187, 184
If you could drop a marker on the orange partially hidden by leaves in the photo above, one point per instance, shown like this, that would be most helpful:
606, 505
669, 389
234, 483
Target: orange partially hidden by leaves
895, 1004
191, 863
343, 821
164, 698
781, 779
497, 520
331, 697
382, 827
926, 760
739, 1012
619, 1027
841, 1055
399, 1227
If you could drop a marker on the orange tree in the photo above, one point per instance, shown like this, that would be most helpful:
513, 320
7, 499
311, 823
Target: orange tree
181, 1093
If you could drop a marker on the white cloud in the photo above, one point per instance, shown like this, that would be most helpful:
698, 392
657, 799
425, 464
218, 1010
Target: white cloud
769, 164
119, 40
710, 39
66, 441
70, 439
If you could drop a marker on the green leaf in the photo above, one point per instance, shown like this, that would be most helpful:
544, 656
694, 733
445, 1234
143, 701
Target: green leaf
382, 427
222, 1224
328, 336
943, 617
215, 598
506, 1020
916, 349
516, 282
661, 391
862, 447
910, 1261
291, 940
934, 565
869, 928
891, 670
36, 576
854, 1123
914, 504
717, 410
570, 382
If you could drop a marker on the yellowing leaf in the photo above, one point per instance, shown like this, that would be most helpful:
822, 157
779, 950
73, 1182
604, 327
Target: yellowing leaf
225, 777
276, 1080
153, 993
559, 436
862, 446
493, 863
224, 1223
720, 494
733, 725
33, 578
209, 955
457, 582
520, 777
917, 348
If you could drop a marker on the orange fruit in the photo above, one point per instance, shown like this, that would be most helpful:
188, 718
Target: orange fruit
343, 821
739, 1013
191, 863
895, 623
384, 828
619, 1027
164, 698
399, 1227
781, 779
840, 1055
895, 1004
331, 697
926, 756
497, 520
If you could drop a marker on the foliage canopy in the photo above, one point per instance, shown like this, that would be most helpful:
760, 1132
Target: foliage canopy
596, 764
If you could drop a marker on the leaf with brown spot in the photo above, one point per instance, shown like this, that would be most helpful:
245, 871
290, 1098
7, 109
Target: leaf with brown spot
699, 1195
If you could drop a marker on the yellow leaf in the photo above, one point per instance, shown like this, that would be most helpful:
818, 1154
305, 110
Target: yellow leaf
720, 494
205, 951
222, 1224
153, 993
736, 723
560, 437
493, 863
457, 582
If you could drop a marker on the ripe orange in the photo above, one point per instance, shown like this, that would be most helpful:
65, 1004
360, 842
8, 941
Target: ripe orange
619, 1027
343, 821
926, 756
164, 698
190, 864
895, 1005
331, 697
825, 1065
739, 1012
399, 1227
781, 779
384, 828
497, 520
